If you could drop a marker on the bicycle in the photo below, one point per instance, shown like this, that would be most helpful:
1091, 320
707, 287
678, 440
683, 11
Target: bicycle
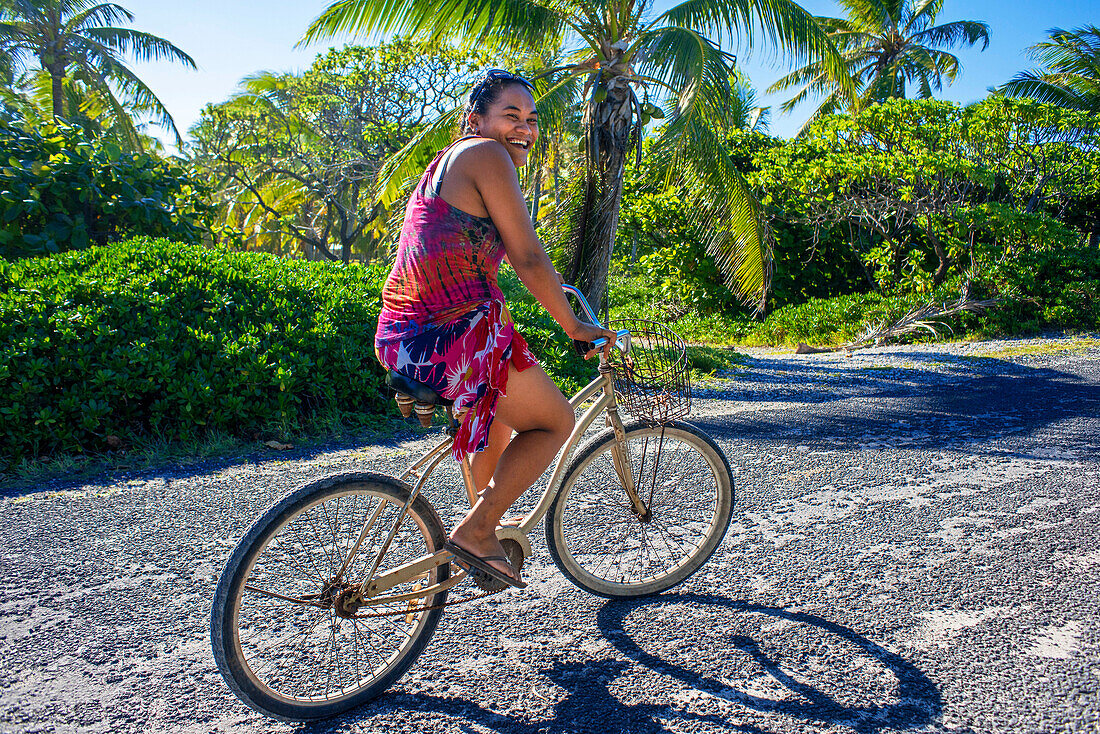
334, 592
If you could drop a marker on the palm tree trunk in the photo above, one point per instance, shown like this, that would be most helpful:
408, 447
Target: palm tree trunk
536, 194
608, 131
57, 92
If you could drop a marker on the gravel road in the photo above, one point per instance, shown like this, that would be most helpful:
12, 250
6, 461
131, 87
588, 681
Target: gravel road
914, 547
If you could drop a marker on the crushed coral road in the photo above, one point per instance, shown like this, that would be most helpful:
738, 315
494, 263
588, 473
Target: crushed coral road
914, 547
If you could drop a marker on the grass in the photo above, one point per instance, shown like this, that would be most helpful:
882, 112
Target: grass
707, 362
1075, 346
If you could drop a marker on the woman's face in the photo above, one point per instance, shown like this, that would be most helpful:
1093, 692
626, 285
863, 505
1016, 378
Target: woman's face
513, 120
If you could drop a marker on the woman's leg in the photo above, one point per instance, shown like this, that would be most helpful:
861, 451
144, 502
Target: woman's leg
543, 420
483, 464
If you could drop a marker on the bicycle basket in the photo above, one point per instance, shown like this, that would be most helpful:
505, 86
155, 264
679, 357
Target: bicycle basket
652, 380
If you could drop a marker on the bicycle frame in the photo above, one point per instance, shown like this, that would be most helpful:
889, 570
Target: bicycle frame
603, 386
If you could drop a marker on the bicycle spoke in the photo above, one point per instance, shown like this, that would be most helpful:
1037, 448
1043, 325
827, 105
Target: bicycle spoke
608, 542
290, 636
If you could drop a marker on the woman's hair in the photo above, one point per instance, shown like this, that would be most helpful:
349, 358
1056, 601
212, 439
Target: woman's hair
484, 94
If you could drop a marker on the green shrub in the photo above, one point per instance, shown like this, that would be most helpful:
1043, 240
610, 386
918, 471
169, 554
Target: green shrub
822, 321
1057, 289
151, 338
60, 190
548, 342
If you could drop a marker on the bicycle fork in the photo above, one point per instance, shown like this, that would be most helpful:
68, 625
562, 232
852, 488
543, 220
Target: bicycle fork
620, 452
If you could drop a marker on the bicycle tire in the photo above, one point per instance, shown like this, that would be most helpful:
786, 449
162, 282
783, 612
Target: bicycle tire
602, 545
307, 535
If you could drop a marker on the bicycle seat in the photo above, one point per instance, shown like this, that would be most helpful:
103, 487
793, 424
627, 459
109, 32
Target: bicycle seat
418, 391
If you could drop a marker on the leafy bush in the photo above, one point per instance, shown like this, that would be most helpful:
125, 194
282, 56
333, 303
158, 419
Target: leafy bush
1042, 290
821, 321
1037, 290
60, 190
548, 342
921, 191
150, 338
154, 338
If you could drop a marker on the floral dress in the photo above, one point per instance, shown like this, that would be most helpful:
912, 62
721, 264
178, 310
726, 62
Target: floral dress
444, 321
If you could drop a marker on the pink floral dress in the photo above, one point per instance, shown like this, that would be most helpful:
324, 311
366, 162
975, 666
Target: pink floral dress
444, 321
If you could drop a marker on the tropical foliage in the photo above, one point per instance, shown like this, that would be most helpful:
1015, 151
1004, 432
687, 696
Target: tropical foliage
904, 198
62, 190
627, 66
80, 47
293, 156
926, 189
887, 46
1069, 75
151, 339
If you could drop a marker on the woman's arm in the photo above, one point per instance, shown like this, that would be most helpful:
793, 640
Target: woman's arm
493, 174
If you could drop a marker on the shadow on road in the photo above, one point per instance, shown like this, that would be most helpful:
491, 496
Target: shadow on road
824, 697
699, 694
942, 400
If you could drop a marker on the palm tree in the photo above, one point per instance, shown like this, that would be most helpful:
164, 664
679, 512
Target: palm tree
620, 65
78, 40
1070, 71
887, 45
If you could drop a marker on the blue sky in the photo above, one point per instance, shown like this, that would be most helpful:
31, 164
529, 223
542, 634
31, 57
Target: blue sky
230, 39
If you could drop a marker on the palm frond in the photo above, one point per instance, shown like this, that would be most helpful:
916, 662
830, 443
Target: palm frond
105, 14
727, 214
804, 75
921, 14
872, 15
1070, 76
687, 62
142, 46
1035, 85
141, 98
953, 34
690, 150
510, 26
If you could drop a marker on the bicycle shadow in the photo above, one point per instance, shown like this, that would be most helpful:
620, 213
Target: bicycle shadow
916, 700
697, 696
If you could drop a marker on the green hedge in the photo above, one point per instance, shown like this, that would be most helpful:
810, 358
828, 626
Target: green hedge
1042, 290
151, 338
1037, 291
154, 338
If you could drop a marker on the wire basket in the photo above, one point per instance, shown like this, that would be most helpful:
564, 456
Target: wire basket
652, 380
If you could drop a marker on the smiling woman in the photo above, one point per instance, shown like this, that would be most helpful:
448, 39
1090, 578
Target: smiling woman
444, 322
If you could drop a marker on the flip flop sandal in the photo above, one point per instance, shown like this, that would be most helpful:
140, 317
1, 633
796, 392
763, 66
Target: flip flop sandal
481, 564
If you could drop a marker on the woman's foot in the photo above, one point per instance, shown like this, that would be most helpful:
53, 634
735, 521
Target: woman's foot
487, 548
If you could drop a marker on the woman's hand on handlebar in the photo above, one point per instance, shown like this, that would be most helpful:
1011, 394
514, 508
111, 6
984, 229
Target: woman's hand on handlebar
589, 333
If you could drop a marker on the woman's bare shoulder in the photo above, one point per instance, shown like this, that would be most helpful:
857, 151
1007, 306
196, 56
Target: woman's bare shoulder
481, 151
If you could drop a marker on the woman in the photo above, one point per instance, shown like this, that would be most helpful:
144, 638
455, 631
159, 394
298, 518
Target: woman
444, 321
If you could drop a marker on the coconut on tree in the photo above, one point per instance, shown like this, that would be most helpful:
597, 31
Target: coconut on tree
80, 42
621, 64
888, 46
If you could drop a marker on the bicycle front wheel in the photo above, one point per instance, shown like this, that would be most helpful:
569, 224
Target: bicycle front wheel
282, 633
604, 545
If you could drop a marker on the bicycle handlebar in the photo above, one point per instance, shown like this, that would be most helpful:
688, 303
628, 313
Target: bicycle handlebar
622, 339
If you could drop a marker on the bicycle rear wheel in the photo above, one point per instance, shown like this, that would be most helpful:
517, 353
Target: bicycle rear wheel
600, 542
275, 632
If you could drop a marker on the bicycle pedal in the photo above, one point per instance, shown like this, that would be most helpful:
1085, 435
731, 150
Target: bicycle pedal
485, 582
410, 613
